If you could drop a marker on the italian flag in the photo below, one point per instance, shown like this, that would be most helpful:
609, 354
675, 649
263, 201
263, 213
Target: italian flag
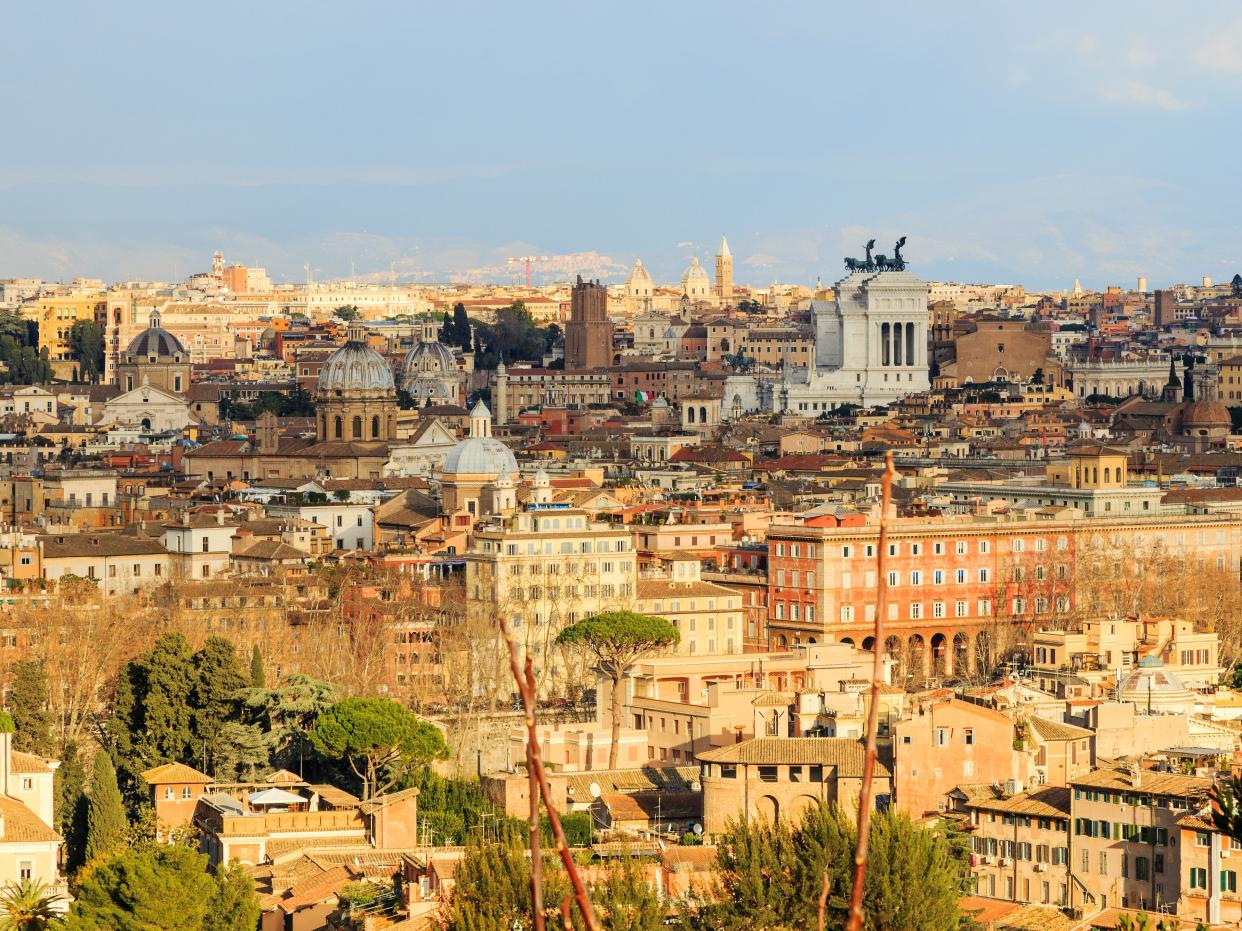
641, 396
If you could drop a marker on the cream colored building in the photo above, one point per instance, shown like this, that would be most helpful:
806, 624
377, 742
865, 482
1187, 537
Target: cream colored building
708, 616
120, 564
28, 843
544, 568
200, 546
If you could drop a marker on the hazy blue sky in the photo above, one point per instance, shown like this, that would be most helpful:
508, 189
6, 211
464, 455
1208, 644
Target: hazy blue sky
1028, 142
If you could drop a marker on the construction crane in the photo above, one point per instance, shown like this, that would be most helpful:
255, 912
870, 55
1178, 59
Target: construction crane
527, 260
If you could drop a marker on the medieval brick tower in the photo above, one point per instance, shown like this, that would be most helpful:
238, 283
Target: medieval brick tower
724, 272
588, 334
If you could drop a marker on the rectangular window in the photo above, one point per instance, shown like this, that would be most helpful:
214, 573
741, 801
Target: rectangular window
942, 737
968, 734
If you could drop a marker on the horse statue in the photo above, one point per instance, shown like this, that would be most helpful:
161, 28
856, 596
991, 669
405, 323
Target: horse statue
862, 265
882, 263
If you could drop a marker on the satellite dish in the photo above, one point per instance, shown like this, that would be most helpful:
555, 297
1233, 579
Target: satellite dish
697, 829
595, 790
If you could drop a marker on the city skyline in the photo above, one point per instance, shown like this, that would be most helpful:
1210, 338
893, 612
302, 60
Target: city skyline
1033, 147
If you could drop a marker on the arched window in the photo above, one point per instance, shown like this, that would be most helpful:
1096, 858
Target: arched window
702, 415
375, 430
1107, 474
357, 428
690, 414
338, 428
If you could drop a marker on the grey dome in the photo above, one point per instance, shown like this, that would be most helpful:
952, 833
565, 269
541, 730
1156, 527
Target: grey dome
428, 359
356, 367
156, 341
480, 455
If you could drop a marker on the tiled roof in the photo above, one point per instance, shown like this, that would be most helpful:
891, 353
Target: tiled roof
29, 763
1148, 782
1047, 802
21, 824
316, 889
175, 773
71, 545
1056, 730
647, 806
845, 753
668, 778
664, 588
383, 801
773, 700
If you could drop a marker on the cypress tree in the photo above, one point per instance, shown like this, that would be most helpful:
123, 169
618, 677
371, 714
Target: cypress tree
218, 681
258, 675
28, 703
71, 804
166, 708
461, 327
105, 812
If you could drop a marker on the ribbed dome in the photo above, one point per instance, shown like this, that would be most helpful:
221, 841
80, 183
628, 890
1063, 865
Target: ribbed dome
695, 276
480, 455
156, 341
356, 367
639, 273
428, 359
1206, 414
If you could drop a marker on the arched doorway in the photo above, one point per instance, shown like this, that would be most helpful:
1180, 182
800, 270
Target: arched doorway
940, 665
916, 649
868, 643
983, 654
800, 806
961, 653
767, 808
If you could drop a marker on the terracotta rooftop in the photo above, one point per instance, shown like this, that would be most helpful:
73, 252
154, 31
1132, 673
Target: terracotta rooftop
1046, 802
1152, 783
175, 773
1056, 730
844, 753
21, 824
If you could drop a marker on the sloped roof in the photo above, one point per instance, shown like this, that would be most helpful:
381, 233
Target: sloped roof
21, 824
844, 753
647, 806
1056, 730
175, 773
29, 763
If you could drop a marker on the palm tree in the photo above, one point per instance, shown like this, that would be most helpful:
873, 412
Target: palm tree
26, 906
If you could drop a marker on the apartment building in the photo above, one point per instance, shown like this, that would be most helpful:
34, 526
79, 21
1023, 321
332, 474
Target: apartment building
1103, 646
544, 568
118, 563
707, 616
944, 744
1126, 847
950, 578
1021, 845
200, 545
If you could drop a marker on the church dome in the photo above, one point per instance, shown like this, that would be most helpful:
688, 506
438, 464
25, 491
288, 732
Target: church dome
156, 341
1152, 685
639, 274
1206, 415
356, 367
428, 359
480, 455
694, 273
